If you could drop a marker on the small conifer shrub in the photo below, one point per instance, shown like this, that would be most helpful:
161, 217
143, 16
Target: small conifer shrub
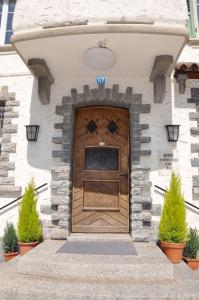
29, 226
192, 245
10, 240
173, 227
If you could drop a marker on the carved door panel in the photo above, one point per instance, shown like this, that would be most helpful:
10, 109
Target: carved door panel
101, 171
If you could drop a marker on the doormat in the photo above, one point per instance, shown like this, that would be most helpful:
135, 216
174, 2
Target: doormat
98, 248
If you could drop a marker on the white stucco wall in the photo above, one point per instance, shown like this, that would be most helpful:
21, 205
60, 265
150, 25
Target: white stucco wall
50, 13
35, 159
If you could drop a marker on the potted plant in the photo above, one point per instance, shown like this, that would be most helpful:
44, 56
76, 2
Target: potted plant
29, 226
10, 242
173, 228
191, 249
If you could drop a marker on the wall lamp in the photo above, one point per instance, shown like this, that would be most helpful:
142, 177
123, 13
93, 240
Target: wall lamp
32, 132
172, 132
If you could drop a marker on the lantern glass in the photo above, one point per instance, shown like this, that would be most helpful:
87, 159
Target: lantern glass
32, 132
172, 132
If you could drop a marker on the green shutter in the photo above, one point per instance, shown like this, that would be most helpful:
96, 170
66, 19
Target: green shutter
191, 23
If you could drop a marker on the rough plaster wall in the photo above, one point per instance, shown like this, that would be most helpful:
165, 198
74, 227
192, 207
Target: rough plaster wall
49, 12
174, 109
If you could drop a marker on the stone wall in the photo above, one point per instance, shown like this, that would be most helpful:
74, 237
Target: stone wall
7, 182
194, 131
61, 185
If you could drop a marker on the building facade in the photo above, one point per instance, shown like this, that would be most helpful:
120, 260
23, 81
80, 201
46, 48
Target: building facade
102, 80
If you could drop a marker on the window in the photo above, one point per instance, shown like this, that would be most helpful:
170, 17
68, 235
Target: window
191, 21
2, 110
7, 8
197, 6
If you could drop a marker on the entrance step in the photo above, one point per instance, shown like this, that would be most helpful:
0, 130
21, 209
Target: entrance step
148, 264
23, 287
45, 273
99, 236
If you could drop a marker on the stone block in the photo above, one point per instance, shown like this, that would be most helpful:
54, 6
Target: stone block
3, 173
135, 191
194, 130
63, 224
145, 152
145, 139
193, 100
58, 216
194, 115
63, 208
60, 140
137, 98
135, 207
146, 215
46, 233
195, 93
12, 103
4, 157
59, 234
142, 199
141, 108
146, 192
9, 128
46, 209
141, 235
7, 165
194, 148
146, 206
6, 138
195, 162
10, 191
156, 209
62, 184
195, 181
57, 192
11, 114
136, 225
6, 181
8, 147
47, 224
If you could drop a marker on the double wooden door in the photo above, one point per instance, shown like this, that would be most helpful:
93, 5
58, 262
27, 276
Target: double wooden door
101, 171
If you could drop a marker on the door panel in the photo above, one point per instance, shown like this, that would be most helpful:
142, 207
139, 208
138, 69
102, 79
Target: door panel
101, 172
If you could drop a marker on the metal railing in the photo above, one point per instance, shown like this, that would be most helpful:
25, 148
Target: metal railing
19, 198
163, 190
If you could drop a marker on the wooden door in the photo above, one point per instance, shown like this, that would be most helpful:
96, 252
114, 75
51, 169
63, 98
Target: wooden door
101, 171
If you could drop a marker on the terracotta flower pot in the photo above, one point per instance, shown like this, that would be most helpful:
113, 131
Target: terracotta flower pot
25, 247
173, 251
9, 256
192, 263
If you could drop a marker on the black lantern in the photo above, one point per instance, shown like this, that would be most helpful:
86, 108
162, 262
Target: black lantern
32, 132
172, 132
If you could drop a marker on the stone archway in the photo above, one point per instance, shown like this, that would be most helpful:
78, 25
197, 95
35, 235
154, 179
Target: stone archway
140, 194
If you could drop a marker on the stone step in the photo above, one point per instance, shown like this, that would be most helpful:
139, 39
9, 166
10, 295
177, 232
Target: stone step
18, 286
97, 267
149, 264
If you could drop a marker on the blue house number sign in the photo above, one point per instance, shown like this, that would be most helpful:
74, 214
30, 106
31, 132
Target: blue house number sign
100, 80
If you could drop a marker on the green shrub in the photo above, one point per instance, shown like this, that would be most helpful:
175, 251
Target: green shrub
173, 227
29, 226
10, 240
192, 244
